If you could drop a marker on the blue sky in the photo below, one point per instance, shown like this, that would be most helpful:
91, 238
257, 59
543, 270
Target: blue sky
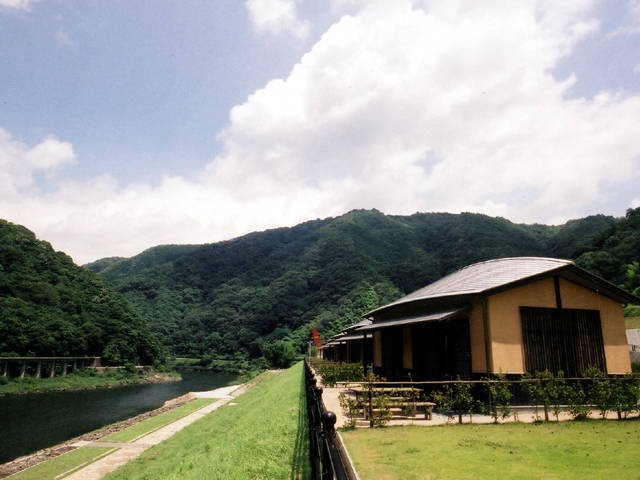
125, 125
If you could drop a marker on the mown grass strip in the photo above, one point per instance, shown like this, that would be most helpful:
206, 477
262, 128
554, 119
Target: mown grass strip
153, 423
587, 450
54, 468
262, 435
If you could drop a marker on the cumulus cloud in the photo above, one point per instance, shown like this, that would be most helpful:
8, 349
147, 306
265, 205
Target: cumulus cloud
277, 17
401, 106
19, 164
447, 106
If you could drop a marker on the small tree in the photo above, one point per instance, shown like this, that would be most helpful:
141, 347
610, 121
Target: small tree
455, 397
625, 394
577, 402
350, 408
560, 394
499, 397
546, 390
279, 354
600, 391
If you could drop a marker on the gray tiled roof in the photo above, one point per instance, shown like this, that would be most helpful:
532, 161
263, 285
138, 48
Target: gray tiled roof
484, 276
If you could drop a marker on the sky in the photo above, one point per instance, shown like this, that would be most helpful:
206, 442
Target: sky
125, 125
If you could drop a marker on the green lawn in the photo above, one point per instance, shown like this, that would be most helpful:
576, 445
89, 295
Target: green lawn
261, 435
586, 450
632, 322
67, 462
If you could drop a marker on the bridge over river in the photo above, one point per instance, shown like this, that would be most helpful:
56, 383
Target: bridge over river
19, 366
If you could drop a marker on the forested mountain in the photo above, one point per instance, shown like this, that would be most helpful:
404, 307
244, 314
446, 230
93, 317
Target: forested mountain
51, 307
232, 301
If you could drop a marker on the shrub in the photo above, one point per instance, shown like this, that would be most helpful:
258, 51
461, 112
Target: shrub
546, 390
500, 397
382, 411
599, 392
279, 354
350, 408
333, 373
455, 398
577, 402
625, 394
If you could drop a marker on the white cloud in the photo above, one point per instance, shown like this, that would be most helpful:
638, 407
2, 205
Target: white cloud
19, 164
17, 4
277, 17
404, 109
401, 106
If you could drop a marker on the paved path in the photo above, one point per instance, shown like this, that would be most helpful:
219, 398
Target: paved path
126, 452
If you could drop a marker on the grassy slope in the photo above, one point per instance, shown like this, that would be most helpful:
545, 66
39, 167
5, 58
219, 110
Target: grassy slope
632, 322
56, 467
262, 435
85, 380
154, 423
587, 450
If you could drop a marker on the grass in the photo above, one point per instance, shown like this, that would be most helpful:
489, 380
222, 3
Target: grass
261, 435
592, 449
80, 380
632, 322
64, 463
156, 422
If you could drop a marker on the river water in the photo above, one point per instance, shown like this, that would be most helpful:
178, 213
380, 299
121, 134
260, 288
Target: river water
35, 421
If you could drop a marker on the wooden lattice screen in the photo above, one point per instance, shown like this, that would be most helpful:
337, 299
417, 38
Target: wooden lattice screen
562, 339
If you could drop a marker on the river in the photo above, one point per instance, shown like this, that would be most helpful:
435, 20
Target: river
34, 421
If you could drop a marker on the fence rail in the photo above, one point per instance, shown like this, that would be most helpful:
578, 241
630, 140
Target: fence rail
327, 453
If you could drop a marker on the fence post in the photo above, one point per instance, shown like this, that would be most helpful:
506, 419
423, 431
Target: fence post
326, 459
334, 469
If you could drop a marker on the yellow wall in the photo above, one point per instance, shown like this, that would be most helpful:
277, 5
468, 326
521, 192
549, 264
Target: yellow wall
505, 325
616, 348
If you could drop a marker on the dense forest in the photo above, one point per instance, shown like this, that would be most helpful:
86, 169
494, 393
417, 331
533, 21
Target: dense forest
51, 307
252, 301
238, 302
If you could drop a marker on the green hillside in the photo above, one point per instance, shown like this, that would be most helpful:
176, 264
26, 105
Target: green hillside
237, 302
51, 307
232, 301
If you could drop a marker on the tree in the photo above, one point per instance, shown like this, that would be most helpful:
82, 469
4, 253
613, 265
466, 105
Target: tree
279, 354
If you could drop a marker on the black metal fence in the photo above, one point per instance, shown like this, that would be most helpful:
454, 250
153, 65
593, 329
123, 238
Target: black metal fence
327, 454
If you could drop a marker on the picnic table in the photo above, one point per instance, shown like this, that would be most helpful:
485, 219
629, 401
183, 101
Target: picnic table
401, 398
